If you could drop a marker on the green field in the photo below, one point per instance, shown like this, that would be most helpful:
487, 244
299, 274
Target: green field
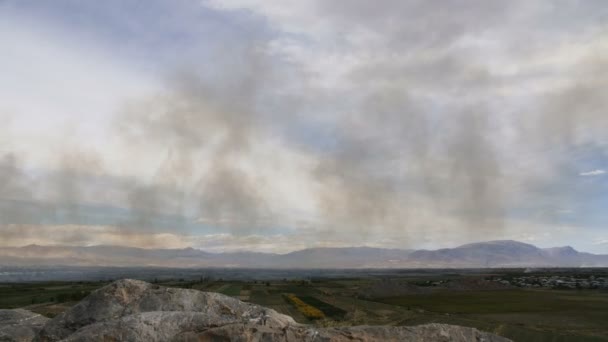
328, 309
534, 315
507, 301
45, 298
231, 289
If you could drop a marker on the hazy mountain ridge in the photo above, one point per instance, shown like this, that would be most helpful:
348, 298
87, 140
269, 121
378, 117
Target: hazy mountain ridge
504, 253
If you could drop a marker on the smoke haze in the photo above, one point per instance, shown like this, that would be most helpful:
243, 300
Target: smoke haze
402, 124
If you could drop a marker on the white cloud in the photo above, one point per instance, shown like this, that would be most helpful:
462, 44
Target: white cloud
58, 88
597, 172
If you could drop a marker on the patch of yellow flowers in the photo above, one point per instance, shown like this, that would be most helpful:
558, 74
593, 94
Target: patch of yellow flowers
308, 311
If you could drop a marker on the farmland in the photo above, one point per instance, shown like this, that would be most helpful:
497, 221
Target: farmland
468, 299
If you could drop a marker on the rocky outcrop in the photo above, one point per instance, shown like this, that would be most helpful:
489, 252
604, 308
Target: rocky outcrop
428, 332
132, 306
131, 310
20, 325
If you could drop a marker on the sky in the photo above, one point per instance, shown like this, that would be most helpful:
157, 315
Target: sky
273, 126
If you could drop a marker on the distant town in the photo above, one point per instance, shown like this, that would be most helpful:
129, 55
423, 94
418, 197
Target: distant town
555, 281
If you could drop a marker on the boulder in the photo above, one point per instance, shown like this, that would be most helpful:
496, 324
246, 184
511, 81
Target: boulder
130, 303
20, 325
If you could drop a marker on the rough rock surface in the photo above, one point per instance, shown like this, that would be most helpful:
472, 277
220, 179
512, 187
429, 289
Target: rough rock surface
20, 325
131, 310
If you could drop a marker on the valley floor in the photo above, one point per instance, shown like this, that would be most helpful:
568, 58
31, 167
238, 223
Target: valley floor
522, 314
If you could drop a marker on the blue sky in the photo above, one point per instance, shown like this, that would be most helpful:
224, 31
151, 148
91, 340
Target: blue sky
278, 125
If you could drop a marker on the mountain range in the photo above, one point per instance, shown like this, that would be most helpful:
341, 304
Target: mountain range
504, 253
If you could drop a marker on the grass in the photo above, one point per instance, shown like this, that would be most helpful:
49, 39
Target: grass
19, 295
518, 301
522, 315
232, 290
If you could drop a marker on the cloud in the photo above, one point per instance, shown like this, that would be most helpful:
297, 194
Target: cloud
407, 122
601, 242
597, 172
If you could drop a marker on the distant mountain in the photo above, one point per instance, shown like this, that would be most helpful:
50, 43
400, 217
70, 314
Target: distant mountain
483, 254
561, 252
505, 253
352, 257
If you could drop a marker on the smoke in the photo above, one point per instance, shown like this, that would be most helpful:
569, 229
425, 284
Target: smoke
475, 184
207, 128
384, 162
394, 163
432, 128
13, 188
574, 114
72, 185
